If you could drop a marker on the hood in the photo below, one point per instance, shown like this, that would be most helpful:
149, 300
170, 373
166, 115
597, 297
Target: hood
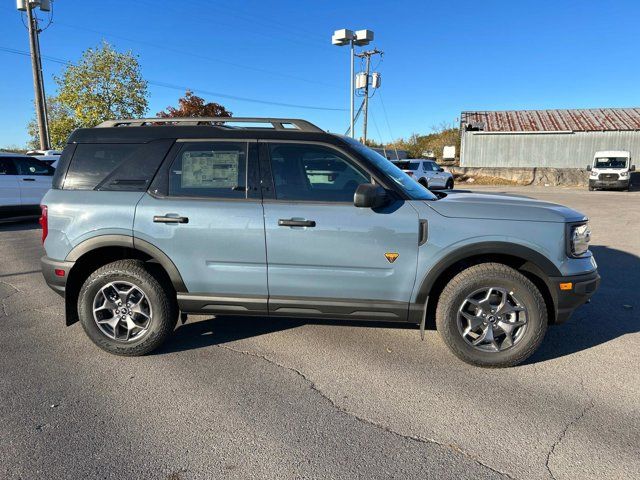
503, 207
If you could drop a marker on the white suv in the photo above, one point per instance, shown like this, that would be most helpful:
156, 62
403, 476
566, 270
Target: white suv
23, 182
426, 172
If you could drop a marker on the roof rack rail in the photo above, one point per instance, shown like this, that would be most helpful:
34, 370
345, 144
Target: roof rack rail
275, 123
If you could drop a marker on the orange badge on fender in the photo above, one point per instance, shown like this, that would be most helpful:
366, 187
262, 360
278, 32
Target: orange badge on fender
391, 256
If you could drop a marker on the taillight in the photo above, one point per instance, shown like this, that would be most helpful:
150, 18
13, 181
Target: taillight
410, 174
44, 222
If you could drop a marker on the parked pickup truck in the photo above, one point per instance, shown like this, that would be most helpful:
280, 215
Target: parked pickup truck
152, 219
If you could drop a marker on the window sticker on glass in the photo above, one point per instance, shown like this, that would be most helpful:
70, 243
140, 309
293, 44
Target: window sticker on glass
210, 169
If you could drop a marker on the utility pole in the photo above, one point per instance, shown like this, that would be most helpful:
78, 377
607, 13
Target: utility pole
375, 83
36, 66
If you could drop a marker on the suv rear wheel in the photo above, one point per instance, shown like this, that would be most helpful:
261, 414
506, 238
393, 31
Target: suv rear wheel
125, 310
491, 315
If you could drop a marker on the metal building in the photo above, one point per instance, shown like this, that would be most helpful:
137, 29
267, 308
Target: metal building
546, 138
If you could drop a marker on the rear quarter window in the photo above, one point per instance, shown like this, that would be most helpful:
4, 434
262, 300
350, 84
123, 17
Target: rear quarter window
114, 166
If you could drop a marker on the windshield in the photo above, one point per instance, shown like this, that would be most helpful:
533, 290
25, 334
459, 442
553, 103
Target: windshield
407, 165
610, 162
413, 189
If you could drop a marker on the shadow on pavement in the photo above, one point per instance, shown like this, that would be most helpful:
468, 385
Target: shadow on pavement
223, 329
614, 310
19, 224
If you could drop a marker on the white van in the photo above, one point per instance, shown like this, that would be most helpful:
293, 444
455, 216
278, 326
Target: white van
611, 169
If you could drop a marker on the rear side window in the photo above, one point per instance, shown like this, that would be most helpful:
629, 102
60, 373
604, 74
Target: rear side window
203, 169
7, 167
408, 165
113, 166
31, 167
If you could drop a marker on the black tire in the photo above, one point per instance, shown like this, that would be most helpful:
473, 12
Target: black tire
449, 185
424, 183
162, 302
491, 275
591, 188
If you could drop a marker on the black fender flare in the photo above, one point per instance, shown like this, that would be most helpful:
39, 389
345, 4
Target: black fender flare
128, 241
541, 264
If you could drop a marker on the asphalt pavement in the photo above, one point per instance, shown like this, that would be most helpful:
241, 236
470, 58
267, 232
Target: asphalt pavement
243, 398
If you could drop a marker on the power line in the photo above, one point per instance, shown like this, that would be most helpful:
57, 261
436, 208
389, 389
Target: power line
195, 90
386, 117
165, 48
301, 35
244, 99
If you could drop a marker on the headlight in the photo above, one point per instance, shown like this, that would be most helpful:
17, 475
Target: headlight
594, 173
579, 238
624, 174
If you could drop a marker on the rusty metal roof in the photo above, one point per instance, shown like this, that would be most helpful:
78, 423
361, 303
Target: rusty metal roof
579, 120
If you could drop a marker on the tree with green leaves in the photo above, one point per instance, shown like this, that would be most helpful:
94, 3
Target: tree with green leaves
105, 84
442, 135
61, 124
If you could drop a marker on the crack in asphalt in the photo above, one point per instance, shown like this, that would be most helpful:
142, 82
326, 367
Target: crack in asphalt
4, 305
563, 433
335, 406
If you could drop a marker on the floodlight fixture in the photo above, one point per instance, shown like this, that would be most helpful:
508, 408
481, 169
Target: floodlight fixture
363, 37
342, 37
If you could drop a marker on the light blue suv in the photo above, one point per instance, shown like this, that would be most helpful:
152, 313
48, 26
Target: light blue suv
149, 220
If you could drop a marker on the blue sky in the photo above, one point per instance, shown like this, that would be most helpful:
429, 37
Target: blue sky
440, 57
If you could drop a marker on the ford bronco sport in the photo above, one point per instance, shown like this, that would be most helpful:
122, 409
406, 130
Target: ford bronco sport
149, 220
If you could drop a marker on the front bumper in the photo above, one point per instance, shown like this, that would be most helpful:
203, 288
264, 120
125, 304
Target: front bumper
609, 183
566, 301
51, 271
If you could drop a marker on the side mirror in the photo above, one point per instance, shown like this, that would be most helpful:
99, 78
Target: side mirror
632, 168
369, 195
588, 168
440, 169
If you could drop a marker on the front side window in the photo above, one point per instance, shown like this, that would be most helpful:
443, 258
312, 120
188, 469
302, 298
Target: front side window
408, 185
28, 166
314, 173
216, 170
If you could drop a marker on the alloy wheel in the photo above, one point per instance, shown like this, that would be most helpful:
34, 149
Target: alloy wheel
492, 319
122, 311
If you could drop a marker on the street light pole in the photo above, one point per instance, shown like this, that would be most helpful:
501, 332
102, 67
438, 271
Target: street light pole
351, 90
349, 37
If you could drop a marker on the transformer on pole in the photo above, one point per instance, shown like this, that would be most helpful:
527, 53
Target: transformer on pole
363, 81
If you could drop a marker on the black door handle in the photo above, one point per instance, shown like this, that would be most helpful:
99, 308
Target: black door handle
166, 219
28, 179
296, 223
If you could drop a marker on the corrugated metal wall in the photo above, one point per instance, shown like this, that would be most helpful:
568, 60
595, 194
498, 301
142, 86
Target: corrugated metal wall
558, 150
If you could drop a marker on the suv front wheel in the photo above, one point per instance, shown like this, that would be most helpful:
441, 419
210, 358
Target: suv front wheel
491, 315
125, 310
